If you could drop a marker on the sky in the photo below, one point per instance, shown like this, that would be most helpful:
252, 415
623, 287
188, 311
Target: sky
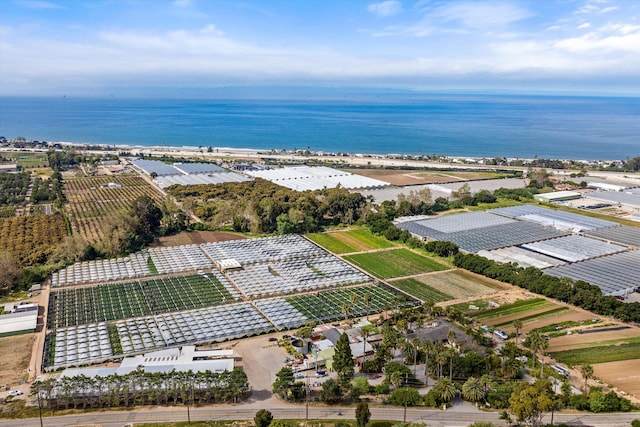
93, 47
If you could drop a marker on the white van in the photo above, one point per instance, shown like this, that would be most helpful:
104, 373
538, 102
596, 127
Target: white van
561, 370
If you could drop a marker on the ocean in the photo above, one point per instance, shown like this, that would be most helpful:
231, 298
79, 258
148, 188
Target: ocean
561, 127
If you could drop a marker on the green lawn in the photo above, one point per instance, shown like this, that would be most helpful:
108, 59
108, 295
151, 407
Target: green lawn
601, 354
344, 242
394, 263
331, 243
421, 290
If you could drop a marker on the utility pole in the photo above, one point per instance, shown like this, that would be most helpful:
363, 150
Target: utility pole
307, 396
39, 402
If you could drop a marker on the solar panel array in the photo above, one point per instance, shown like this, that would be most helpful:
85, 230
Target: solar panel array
616, 274
624, 234
574, 248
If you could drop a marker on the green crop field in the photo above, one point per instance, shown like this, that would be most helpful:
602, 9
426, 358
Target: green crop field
344, 242
551, 312
421, 290
520, 306
629, 350
394, 263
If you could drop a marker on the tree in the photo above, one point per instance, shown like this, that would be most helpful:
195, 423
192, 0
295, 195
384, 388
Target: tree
359, 386
472, 390
284, 382
147, 217
404, 396
363, 415
9, 272
343, 362
587, 372
517, 325
529, 402
263, 418
445, 389
331, 391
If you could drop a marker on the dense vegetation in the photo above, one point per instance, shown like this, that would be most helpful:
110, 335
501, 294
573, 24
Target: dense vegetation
260, 206
13, 188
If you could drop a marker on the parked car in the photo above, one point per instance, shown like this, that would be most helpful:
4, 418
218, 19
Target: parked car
272, 339
299, 376
321, 373
14, 393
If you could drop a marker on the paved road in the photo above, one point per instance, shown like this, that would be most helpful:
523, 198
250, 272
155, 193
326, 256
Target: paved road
433, 418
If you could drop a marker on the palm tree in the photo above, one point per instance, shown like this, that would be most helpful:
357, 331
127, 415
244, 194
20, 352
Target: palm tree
517, 324
428, 347
486, 383
587, 372
445, 389
440, 357
366, 298
346, 308
473, 390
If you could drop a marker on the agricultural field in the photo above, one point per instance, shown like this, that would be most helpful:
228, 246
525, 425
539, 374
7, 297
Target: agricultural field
28, 160
79, 306
449, 285
194, 237
13, 188
343, 242
421, 290
330, 305
16, 354
625, 375
394, 263
601, 352
31, 239
412, 177
89, 204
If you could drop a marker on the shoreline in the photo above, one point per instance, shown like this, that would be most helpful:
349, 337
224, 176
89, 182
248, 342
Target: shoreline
187, 150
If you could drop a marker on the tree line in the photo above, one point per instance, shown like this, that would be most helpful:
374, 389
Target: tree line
578, 292
143, 388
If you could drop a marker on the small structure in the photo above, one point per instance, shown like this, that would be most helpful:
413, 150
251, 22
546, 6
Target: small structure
111, 185
228, 265
557, 196
8, 167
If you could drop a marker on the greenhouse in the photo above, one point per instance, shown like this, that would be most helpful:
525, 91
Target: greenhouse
573, 248
82, 345
616, 275
255, 251
624, 235
553, 218
104, 270
522, 257
295, 275
175, 259
282, 314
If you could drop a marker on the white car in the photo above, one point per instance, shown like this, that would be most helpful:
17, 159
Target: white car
14, 393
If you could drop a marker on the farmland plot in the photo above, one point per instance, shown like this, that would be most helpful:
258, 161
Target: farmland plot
457, 284
89, 204
420, 289
394, 263
342, 242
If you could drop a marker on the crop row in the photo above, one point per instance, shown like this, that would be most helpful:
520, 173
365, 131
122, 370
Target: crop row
79, 306
394, 263
421, 290
601, 354
513, 308
551, 311
349, 302
31, 239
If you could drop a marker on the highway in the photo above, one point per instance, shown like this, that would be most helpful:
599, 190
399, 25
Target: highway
432, 418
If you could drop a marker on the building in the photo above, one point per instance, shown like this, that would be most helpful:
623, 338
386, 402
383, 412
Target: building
23, 318
182, 359
557, 196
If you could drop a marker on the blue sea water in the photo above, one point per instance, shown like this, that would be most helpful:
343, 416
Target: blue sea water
458, 125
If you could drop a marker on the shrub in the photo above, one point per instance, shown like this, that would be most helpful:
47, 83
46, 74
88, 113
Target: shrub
263, 418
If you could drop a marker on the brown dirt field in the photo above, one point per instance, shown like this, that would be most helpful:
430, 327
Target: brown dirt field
412, 177
569, 342
351, 241
503, 319
197, 237
572, 315
624, 375
16, 354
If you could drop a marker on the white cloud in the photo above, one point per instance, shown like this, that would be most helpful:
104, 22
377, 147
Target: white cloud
385, 8
584, 25
38, 4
